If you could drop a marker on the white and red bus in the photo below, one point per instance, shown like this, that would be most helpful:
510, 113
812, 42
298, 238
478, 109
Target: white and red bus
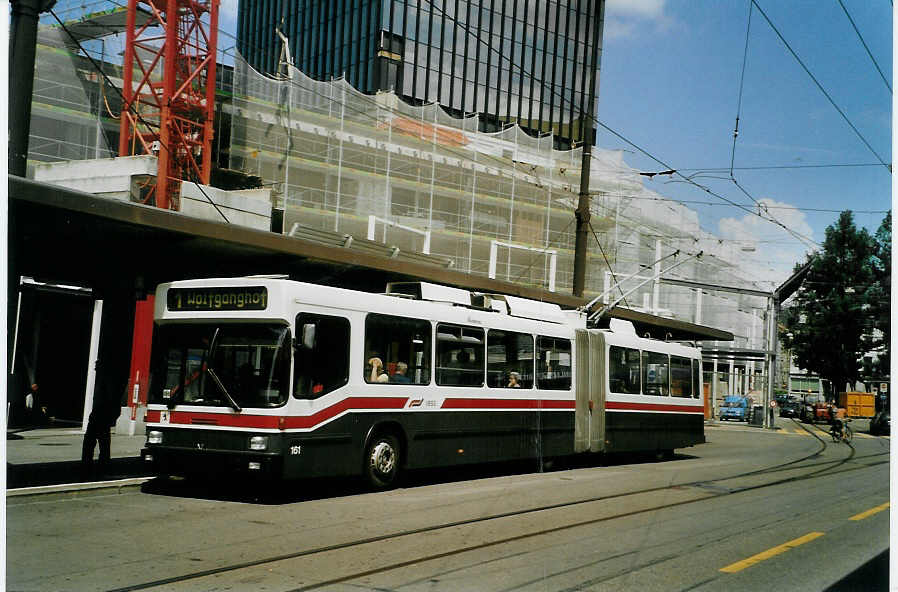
285, 379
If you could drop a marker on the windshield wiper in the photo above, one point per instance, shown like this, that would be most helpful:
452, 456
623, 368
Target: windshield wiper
224, 389
208, 368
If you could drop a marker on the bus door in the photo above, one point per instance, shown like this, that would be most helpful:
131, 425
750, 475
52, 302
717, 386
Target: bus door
589, 420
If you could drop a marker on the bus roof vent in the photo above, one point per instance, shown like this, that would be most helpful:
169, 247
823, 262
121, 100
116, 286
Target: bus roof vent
432, 292
534, 309
621, 326
494, 302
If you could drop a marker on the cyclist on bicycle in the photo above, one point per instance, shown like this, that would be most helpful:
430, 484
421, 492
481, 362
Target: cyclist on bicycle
837, 419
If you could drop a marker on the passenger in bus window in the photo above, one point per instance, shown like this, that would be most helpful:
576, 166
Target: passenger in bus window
377, 373
401, 374
514, 380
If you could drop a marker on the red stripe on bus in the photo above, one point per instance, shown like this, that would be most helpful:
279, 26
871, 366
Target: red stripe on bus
354, 403
620, 406
371, 403
274, 421
506, 404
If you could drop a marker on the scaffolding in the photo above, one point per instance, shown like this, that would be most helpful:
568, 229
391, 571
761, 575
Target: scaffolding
338, 158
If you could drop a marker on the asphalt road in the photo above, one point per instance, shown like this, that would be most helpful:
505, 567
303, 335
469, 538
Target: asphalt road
750, 510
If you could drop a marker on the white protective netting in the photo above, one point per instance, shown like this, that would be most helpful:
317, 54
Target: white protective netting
336, 157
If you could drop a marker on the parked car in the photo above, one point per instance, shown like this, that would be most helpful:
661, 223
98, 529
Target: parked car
790, 409
881, 423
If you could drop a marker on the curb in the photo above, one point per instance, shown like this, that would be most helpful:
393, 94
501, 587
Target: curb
68, 487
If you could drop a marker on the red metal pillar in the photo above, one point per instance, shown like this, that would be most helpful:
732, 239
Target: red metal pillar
169, 112
127, 79
141, 343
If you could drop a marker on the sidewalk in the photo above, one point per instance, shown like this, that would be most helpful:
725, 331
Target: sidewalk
51, 456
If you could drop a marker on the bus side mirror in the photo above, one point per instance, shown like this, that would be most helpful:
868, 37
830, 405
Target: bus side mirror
308, 336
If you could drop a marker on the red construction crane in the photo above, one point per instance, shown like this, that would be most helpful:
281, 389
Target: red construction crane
169, 92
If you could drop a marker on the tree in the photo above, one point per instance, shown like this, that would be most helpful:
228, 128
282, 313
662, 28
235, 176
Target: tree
830, 320
880, 297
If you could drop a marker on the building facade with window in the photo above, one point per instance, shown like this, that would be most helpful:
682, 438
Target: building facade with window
524, 62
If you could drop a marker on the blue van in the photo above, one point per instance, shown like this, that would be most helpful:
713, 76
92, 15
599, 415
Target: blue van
735, 407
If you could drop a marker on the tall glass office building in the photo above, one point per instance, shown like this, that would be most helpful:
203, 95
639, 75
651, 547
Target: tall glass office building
510, 61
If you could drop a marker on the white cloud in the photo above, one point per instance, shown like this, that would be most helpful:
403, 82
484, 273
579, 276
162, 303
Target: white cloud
629, 18
651, 9
776, 250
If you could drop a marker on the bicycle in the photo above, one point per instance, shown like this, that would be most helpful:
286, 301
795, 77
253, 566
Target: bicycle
842, 435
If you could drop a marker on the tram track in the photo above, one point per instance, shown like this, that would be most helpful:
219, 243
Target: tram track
689, 492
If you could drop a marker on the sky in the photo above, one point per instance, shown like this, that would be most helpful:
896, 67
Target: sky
670, 84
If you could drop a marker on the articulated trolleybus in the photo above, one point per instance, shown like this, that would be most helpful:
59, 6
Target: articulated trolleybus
283, 379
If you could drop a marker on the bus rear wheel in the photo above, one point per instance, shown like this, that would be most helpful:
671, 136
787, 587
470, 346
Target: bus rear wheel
382, 457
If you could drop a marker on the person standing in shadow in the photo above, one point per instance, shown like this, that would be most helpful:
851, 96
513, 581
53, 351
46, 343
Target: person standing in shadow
105, 412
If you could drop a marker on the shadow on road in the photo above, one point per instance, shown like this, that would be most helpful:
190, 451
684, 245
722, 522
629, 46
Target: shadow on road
299, 490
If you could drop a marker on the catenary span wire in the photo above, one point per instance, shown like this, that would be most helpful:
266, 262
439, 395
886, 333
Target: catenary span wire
768, 217
769, 207
224, 52
502, 162
497, 160
99, 69
864, 43
592, 117
820, 86
564, 99
292, 82
707, 190
741, 86
785, 166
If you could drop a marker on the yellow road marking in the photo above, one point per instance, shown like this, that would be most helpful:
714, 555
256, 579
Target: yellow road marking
801, 432
772, 552
870, 512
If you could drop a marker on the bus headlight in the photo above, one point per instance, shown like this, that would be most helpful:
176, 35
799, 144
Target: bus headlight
258, 443
154, 437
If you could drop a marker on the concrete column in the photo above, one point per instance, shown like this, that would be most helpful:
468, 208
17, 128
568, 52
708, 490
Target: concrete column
731, 378
656, 283
698, 307
92, 362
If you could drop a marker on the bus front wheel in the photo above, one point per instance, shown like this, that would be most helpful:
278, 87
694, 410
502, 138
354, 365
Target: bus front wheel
382, 461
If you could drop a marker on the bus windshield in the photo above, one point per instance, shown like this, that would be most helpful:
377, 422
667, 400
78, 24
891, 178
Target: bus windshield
233, 365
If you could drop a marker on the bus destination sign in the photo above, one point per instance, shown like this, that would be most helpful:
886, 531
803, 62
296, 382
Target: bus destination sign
220, 298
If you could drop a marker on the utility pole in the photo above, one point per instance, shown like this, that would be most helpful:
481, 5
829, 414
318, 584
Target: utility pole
22, 50
582, 213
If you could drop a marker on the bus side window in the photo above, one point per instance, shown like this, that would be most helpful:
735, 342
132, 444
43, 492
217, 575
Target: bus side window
509, 352
320, 354
623, 370
655, 375
553, 363
403, 347
680, 377
696, 380
460, 355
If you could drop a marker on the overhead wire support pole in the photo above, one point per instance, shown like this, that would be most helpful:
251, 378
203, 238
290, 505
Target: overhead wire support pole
582, 213
599, 313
